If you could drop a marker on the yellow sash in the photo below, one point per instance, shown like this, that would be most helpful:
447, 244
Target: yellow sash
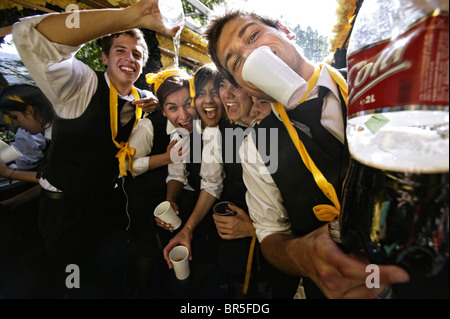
125, 151
322, 212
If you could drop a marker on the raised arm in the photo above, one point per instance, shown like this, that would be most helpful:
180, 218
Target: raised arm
99, 22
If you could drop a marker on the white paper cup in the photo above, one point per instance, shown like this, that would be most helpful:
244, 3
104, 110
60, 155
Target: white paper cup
271, 75
179, 258
165, 212
9, 154
3, 145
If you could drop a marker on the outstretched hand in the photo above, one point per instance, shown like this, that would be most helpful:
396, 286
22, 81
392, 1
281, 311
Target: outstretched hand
340, 275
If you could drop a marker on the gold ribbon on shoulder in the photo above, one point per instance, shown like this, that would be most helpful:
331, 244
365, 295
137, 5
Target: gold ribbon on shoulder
125, 151
323, 212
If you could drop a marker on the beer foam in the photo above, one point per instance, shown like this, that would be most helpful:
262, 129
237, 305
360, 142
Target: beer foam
409, 142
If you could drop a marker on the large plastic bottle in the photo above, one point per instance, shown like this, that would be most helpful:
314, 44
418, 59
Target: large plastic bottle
395, 199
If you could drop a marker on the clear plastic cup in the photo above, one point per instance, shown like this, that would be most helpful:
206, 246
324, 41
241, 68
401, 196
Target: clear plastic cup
172, 13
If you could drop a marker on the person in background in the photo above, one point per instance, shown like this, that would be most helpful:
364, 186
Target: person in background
154, 138
281, 201
95, 117
261, 109
185, 180
222, 180
25, 265
30, 111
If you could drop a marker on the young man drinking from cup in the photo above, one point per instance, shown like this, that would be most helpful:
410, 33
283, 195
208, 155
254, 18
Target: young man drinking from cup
281, 203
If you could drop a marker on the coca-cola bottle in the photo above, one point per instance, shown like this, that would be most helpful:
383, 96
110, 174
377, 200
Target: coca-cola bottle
396, 195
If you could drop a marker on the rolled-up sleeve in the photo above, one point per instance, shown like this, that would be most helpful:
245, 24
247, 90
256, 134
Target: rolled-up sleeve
264, 201
177, 172
141, 140
67, 82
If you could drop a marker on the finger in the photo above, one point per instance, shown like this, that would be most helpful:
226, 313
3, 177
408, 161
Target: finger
166, 251
390, 274
172, 32
364, 292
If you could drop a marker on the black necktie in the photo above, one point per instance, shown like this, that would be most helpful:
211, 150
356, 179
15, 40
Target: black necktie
310, 113
126, 111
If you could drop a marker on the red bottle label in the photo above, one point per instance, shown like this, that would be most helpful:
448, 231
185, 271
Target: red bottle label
412, 69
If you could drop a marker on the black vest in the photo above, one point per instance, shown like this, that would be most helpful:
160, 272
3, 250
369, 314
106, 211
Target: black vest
81, 160
296, 183
194, 159
234, 253
153, 181
234, 188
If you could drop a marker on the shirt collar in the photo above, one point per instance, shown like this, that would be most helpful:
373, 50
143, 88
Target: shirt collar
327, 81
323, 80
170, 128
240, 123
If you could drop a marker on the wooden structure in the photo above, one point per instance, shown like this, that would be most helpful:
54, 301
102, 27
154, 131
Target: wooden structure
193, 51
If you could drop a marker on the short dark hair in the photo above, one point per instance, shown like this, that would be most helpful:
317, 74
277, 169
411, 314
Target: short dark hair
215, 28
107, 41
17, 97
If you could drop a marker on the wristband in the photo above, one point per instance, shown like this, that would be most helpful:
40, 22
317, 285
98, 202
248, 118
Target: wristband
10, 174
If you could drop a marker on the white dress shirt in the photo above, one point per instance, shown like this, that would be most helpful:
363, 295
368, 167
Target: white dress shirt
141, 140
263, 197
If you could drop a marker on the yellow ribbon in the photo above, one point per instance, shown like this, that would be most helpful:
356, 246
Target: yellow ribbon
15, 98
323, 212
157, 79
192, 90
249, 265
125, 151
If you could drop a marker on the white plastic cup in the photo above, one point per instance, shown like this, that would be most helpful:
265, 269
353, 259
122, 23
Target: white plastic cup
171, 12
165, 212
179, 258
273, 76
9, 154
3, 145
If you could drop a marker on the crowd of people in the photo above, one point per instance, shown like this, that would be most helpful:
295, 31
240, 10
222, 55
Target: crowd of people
118, 151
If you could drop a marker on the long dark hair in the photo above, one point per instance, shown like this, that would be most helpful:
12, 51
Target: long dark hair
18, 96
203, 75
